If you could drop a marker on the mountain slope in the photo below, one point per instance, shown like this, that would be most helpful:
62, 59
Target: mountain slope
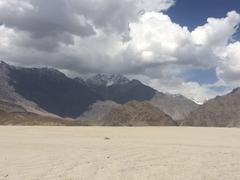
51, 90
47, 91
98, 110
176, 106
9, 95
137, 114
107, 80
223, 111
119, 89
10, 107
31, 119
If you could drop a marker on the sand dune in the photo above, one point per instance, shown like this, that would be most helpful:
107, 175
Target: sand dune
104, 153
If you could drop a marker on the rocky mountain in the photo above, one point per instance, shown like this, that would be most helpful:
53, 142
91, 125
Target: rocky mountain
10, 98
47, 91
119, 89
176, 106
107, 80
50, 89
31, 119
10, 107
223, 111
97, 111
137, 114
14, 114
80, 81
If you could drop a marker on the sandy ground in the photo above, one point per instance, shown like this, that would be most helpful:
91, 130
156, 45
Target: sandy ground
84, 153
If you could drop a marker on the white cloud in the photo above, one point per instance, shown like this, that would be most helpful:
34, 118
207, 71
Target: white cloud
167, 41
217, 32
192, 90
5, 36
229, 68
154, 5
173, 49
87, 37
156, 33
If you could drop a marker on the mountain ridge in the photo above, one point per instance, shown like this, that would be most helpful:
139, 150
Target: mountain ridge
222, 111
137, 114
47, 90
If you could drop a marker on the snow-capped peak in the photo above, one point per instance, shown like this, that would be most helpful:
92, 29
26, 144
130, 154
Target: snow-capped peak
107, 79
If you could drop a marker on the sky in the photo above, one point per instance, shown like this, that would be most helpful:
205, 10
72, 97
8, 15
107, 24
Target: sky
183, 47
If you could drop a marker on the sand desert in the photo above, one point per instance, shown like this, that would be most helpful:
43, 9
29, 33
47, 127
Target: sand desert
119, 153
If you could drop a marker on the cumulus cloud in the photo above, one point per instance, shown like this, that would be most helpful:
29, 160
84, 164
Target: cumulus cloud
154, 5
42, 19
159, 39
229, 68
217, 32
132, 37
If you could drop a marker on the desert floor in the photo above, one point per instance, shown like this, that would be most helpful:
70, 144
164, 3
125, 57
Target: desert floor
106, 153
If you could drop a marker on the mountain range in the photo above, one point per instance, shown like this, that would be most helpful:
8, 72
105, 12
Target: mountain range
103, 99
48, 90
222, 111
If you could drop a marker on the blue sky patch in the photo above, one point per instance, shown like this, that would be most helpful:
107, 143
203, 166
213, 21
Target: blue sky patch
202, 76
192, 13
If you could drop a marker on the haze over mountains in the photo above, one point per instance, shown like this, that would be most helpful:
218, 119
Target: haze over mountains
222, 111
106, 99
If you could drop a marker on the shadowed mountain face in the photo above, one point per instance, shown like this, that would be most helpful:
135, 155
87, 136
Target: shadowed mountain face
45, 90
52, 91
137, 114
119, 89
11, 98
58, 94
223, 111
